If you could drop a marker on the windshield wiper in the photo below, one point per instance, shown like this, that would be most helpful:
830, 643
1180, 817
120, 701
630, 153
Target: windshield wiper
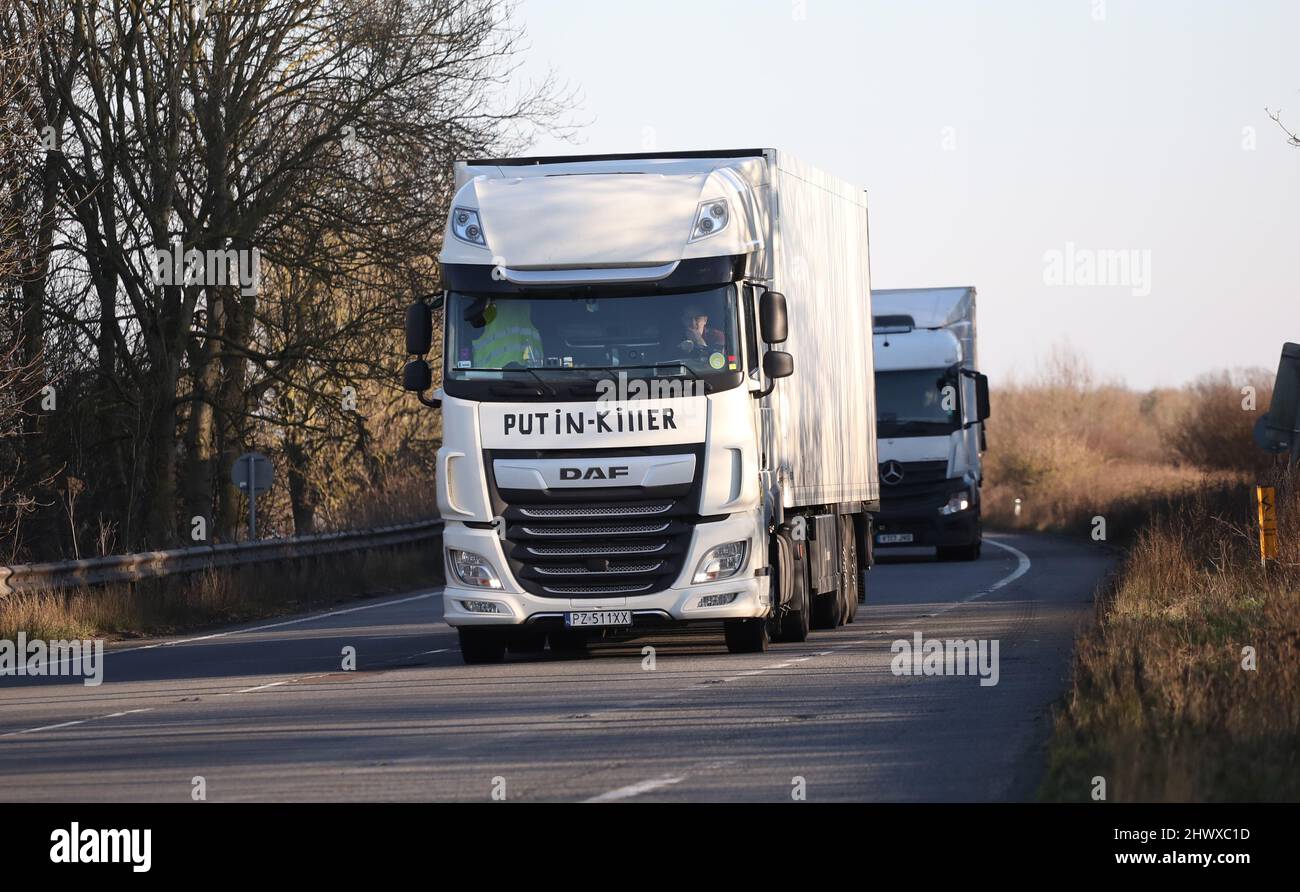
546, 388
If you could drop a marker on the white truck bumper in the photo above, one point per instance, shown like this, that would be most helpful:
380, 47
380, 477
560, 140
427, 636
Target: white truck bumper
681, 603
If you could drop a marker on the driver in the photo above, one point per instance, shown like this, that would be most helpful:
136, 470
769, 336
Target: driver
694, 322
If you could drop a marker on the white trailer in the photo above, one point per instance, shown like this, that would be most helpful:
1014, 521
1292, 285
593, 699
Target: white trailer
932, 403
624, 446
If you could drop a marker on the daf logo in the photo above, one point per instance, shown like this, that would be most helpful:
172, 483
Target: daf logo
594, 473
891, 472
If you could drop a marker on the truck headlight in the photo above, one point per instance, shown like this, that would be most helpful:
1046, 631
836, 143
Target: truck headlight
710, 218
958, 501
472, 569
465, 226
721, 561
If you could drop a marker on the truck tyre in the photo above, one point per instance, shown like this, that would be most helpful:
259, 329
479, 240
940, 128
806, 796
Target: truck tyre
481, 645
788, 571
826, 610
850, 574
567, 642
745, 636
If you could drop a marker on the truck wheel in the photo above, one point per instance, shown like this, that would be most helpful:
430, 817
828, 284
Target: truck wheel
826, 610
745, 636
794, 624
481, 645
849, 572
567, 642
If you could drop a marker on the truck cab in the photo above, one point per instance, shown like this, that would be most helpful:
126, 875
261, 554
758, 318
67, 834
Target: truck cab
931, 405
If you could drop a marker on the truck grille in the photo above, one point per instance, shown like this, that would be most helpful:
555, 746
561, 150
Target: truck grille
592, 542
632, 547
924, 485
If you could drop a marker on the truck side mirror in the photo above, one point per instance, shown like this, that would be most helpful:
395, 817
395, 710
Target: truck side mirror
981, 397
772, 321
417, 377
419, 329
778, 364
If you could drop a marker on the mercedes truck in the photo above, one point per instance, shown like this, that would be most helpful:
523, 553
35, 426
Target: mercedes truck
657, 399
931, 405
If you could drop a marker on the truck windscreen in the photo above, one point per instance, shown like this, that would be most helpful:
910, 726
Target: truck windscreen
557, 344
917, 403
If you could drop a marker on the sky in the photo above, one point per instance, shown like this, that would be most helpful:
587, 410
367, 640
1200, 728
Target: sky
1104, 172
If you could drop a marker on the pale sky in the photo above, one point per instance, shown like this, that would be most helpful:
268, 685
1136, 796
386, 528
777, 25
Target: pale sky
988, 135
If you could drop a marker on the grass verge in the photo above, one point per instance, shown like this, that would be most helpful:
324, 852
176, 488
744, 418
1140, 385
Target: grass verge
1164, 703
220, 597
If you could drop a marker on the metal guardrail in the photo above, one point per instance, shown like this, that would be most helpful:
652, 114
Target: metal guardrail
57, 575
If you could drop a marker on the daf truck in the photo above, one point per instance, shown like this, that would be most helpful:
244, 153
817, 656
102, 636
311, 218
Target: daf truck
657, 399
931, 405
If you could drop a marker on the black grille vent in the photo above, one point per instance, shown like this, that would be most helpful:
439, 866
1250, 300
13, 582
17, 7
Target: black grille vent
589, 543
924, 483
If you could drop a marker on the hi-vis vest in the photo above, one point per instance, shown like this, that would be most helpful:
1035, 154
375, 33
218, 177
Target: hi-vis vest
509, 337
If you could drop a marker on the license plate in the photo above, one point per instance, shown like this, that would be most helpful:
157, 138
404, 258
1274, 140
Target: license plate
598, 618
893, 538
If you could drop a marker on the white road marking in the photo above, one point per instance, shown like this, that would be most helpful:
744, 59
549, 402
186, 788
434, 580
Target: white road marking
645, 786
263, 687
279, 625
1022, 567
114, 715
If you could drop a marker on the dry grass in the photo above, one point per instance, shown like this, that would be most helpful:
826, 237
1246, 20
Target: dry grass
1072, 448
218, 597
1161, 705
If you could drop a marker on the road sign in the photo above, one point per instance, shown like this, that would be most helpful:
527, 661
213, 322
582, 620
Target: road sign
252, 473
1266, 499
254, 466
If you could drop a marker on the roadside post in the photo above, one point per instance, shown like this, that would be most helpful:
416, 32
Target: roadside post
252, 473
1266, 505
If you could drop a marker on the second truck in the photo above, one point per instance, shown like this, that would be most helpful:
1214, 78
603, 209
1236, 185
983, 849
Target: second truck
657, 399
932, 403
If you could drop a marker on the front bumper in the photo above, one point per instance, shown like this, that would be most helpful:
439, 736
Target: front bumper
678, 603
927, 527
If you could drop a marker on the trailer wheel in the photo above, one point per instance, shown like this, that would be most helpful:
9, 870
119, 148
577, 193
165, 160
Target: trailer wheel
478, 645
745, 636
826, 610
850, 575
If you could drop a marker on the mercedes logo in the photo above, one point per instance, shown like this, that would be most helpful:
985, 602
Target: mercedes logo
891, 472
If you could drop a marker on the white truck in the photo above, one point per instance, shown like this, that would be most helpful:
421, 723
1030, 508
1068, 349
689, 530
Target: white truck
624, 446
931, 405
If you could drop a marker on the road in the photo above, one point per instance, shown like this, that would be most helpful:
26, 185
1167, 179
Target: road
265, 712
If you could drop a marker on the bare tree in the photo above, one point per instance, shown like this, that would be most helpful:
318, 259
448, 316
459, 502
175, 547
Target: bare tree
314, 136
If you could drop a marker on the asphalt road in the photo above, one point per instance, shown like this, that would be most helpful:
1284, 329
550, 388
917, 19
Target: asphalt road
265, 712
